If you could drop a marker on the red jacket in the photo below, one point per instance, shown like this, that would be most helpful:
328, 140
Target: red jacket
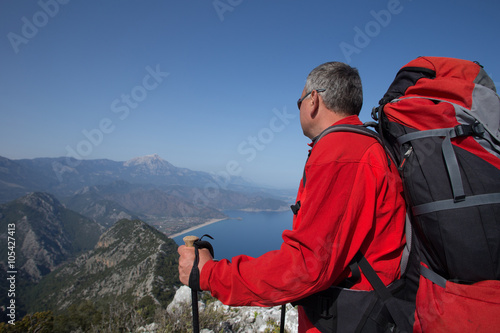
352, 201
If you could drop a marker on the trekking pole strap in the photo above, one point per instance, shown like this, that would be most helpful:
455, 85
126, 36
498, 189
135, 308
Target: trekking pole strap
194, 276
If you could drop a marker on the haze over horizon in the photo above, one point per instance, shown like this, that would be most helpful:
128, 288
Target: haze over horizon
207, 85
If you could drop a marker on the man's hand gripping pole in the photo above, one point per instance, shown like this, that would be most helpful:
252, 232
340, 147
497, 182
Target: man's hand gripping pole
194, 277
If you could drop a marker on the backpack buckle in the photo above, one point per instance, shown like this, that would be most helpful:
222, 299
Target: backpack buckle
468, 130
478, 129
463, 130
295, 208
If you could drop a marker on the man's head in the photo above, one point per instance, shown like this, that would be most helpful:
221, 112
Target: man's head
334, 87
344, 93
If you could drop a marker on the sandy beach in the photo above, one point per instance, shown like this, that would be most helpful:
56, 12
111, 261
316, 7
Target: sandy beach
197, 227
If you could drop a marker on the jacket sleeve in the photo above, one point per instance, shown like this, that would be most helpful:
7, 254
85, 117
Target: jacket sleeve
335, 218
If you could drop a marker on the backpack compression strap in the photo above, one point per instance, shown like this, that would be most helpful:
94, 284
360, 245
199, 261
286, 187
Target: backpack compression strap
459, 199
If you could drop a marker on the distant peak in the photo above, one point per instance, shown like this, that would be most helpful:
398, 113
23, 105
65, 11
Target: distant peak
150, 164
150, 157
144, 159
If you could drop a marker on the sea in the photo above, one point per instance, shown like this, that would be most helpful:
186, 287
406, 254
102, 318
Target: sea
249, 233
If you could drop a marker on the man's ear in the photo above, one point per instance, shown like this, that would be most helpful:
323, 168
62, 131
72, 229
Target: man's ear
314, 100
313, 97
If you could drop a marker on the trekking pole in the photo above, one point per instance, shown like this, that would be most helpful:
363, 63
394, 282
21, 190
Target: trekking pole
189, 241
282, 322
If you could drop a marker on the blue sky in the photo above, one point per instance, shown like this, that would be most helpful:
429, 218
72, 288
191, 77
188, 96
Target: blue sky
208, 85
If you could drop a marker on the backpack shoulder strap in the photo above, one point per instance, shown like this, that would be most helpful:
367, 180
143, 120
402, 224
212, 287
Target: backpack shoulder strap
364, 130
359, 129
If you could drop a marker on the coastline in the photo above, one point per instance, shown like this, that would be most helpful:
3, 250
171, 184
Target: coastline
197, 227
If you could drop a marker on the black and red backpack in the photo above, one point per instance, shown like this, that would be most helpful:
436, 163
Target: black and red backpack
440, 119
439, 122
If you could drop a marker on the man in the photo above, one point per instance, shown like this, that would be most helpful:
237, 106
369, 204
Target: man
349, 201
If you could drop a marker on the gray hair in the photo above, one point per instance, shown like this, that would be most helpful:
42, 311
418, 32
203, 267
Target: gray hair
344, 92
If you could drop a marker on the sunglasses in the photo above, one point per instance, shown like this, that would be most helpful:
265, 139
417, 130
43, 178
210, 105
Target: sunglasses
299, 102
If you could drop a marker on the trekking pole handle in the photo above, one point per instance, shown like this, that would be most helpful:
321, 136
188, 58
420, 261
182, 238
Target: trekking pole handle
189, 240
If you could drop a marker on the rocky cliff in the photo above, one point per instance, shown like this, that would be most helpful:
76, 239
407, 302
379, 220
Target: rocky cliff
130, 262
245, 319
46, 234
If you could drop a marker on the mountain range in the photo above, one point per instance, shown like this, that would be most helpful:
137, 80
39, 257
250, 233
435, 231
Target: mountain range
97, 231
63, 176
148, 188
